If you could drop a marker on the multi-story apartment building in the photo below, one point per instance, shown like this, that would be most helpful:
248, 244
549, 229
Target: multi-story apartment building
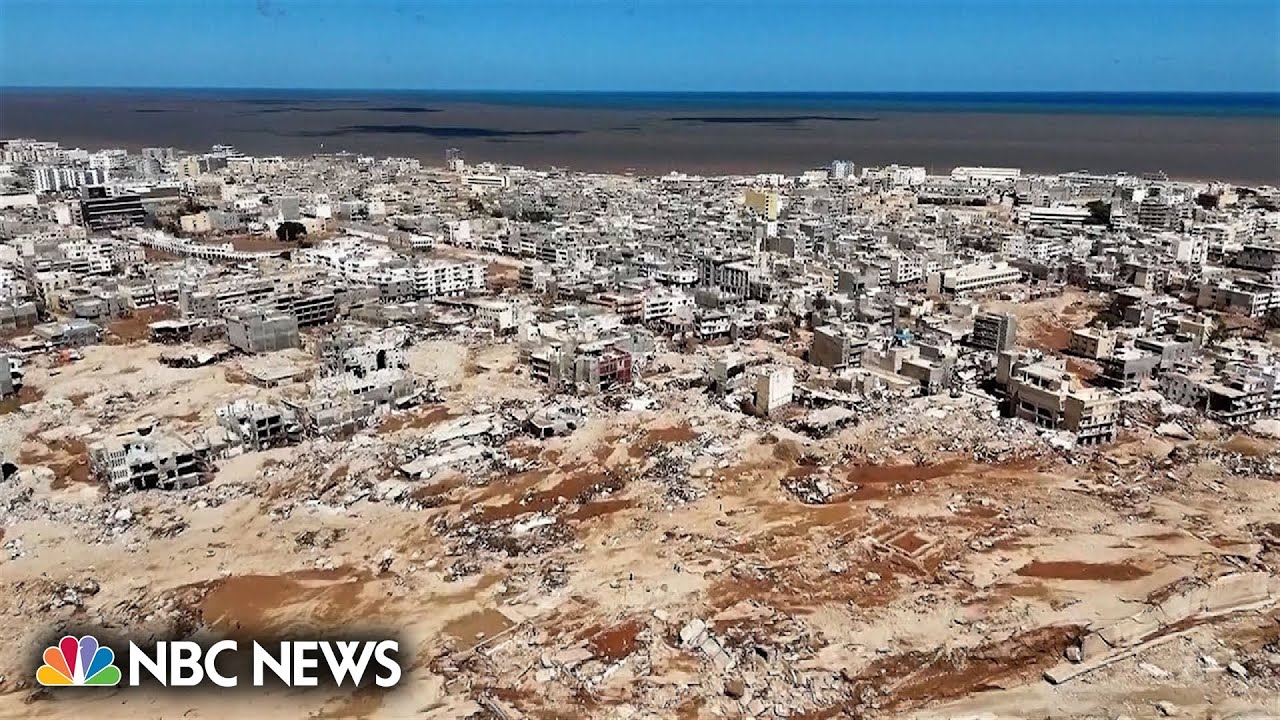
994, 331
837, 347
260, 329
1093, 343
1241, 395
905, 269
1043, 394
318, 306
1254, 256
1254, 298
216, 299
55, 178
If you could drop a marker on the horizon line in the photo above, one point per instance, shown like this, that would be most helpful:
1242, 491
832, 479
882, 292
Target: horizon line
1275, 93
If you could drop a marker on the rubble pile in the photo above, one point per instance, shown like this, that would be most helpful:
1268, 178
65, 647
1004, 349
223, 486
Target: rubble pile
810, 489
511, 537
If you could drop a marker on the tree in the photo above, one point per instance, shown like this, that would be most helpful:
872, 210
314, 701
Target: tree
1208, 201
191, 206
1099, 212
1219, 333
1271, 321
291, 232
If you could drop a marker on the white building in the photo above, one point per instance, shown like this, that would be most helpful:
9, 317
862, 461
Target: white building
487, 182
973, 278
54, 178
1056, 215
985, 175
774, 388
896, 175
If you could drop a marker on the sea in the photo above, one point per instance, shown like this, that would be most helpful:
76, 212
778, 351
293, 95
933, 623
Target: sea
1227, 136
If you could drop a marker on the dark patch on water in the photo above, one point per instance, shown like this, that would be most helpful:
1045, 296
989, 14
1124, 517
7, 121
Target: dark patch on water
395, 109
265, 101
405, 109
441, 132
766, 119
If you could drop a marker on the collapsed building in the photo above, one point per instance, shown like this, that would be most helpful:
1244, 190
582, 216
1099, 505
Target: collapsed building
587, 368
348, 350
144, 459
259, 426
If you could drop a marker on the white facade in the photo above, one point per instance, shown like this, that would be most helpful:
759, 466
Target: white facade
985, 175
1057, 215
974, 278
53, 178
774, 389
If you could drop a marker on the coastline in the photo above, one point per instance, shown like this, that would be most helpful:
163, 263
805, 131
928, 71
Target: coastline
695, 133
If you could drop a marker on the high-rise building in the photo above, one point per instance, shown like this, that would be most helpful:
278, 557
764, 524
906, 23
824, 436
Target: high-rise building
101, 211
455, 160
763, 202
55, 178
994, 331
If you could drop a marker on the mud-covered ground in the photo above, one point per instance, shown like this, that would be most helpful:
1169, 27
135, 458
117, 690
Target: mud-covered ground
678, 561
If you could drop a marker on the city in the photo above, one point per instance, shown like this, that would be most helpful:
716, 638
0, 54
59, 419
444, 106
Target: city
853, 442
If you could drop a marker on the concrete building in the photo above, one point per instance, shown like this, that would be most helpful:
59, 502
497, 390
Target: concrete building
586, 368
73, 333
1059, 215
1156, 213
1170, 352
196, 224
994, 331
1263, 258
1093, 343
763, 202
10, 375
929, 365
496, 315
313, 307
1042, 393
146, 460
257, 330
101, 212
985, 175
837, 347
774, 388
259, 426
712, 324
18, 316
335, 416
1253, 298
601, 371
973, 278
54, 178
384, 389
1091, 415
1127, 368
350, 351
1239, 397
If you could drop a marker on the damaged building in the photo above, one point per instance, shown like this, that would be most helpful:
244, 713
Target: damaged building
147, 460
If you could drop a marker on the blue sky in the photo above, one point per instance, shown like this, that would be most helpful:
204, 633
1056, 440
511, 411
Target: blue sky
722, 45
